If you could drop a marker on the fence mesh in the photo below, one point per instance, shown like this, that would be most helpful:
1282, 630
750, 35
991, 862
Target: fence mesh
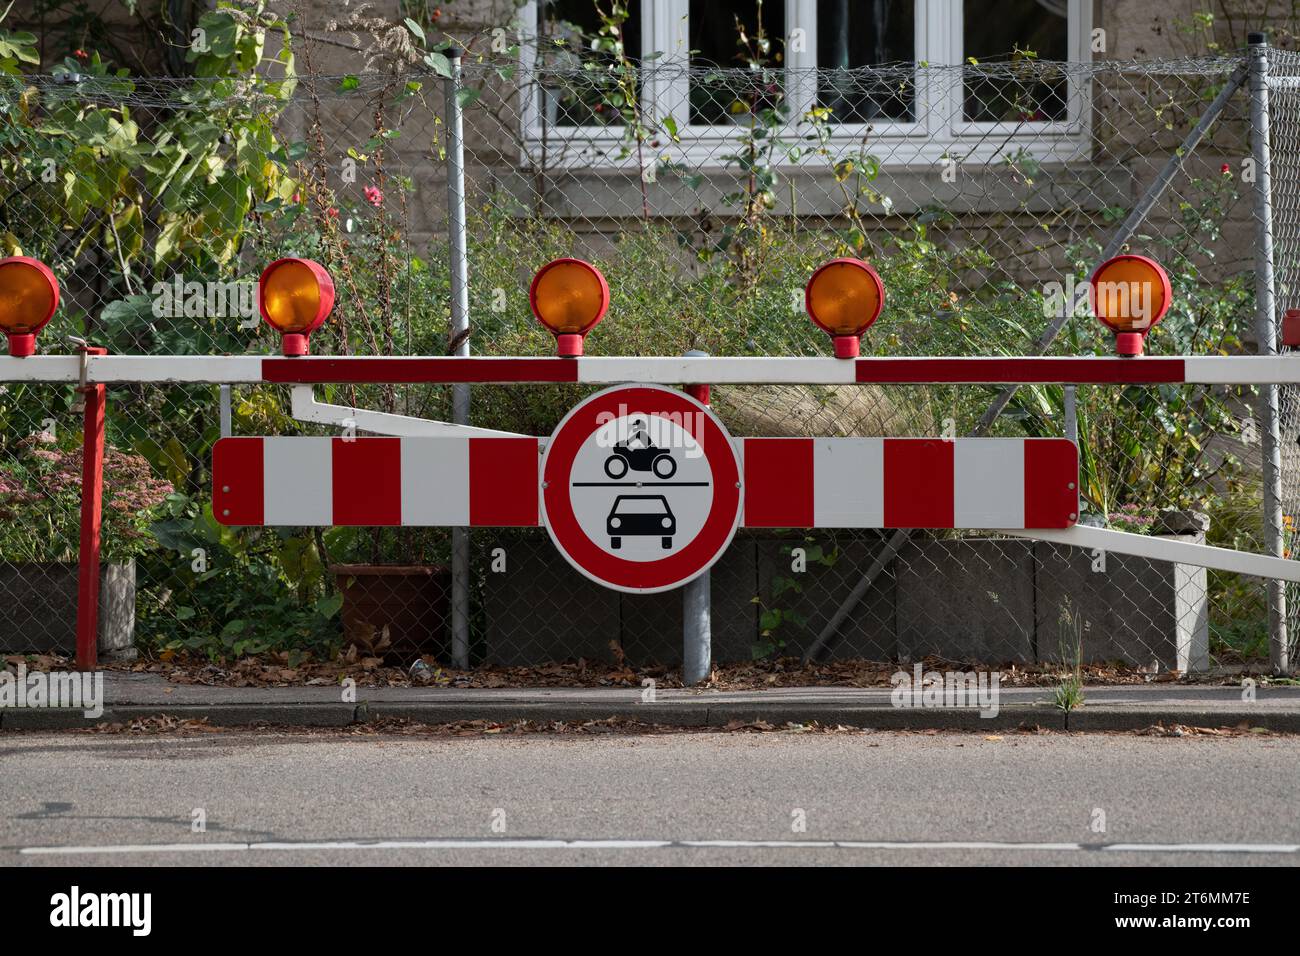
983, 195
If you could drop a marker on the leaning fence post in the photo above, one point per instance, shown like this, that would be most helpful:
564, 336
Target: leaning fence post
459, 343
1173, 166
92, 494
1266, 332
697, 598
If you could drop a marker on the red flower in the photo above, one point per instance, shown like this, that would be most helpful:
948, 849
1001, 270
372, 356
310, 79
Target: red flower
1225, 170
81, 54
374, 196
332, 212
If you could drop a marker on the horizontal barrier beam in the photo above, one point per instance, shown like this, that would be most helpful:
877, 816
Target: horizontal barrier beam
610, 370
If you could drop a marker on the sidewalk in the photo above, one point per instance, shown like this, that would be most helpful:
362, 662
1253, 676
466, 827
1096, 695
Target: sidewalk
1106, 708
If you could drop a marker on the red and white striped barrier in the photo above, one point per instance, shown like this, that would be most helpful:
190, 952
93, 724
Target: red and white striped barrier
910, 483
608, 370
788, 482
430, 482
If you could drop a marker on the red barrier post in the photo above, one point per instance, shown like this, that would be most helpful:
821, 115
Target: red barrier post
92, 493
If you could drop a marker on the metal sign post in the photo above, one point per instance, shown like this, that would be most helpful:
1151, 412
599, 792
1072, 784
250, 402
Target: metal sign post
459, 342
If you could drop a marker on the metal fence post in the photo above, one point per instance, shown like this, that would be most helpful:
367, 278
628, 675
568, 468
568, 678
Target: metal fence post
1072, 413
697, 596
460, 343
224, 411
1266, 332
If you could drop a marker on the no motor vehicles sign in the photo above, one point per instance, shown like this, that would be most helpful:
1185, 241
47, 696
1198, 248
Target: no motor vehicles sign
641, 488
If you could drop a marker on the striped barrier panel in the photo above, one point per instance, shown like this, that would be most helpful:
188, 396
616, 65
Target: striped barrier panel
1020, 483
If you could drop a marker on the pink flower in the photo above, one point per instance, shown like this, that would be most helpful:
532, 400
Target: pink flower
374, 196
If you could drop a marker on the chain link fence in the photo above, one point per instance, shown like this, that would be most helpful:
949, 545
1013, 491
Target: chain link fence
982, 194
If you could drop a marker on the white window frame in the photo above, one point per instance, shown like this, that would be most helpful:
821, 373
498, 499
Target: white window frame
938, 133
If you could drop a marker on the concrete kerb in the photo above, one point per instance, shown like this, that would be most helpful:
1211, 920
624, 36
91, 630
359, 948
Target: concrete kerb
1118, 720
700, 713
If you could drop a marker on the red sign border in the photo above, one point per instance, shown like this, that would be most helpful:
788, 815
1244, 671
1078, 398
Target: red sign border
638, 577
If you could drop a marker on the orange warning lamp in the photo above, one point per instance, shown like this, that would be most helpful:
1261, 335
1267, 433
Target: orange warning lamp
29, 294
569, 296
844, 296
1130, 294
294, 297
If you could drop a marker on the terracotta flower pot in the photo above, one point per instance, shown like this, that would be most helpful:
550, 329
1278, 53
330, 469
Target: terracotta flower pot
412, 602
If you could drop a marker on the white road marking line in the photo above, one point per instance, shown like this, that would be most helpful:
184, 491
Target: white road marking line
1207, 847
543, 844
958, 845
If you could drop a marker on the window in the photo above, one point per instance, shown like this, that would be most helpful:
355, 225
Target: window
791, 56
581, 84
740, 47
1015, 32
862, 33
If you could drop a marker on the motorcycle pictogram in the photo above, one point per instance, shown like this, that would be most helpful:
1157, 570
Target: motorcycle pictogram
638, 453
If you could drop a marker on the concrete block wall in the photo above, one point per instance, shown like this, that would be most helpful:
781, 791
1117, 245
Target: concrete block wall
973, 600
39, 612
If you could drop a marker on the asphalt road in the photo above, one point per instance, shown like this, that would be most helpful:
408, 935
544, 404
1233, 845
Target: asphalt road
76, 799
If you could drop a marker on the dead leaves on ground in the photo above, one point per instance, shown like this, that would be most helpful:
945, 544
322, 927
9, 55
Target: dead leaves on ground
1242, 729
276, 670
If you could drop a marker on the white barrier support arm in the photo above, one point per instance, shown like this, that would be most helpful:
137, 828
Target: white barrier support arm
1165, 549
305, 408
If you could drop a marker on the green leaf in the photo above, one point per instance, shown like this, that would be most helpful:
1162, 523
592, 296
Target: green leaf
348, 83
439, 64
466, 96
415, 28
329, 606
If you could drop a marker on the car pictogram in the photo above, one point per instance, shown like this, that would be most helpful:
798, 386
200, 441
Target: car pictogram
641, 515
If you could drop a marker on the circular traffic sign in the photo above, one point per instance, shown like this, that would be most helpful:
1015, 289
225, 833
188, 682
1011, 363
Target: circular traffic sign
641, 488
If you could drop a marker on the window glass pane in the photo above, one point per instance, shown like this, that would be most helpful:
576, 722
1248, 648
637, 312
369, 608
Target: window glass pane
859, 33
1020, 32
581, 86
740, 46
